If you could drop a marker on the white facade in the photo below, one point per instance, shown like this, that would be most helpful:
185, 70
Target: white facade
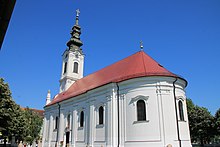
120, 126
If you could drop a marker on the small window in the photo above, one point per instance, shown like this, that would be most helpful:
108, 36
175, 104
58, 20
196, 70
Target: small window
101, 118
65, 68
68, 121
81, 119
75, 67
141, 110
56, 122
181, 114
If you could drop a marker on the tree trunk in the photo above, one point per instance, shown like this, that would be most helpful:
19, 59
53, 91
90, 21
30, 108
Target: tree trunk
202, 143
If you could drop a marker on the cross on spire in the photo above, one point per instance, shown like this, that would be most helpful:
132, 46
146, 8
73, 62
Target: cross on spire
141, 45
77, 13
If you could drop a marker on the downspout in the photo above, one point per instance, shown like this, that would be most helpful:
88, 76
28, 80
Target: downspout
177, 123
118, 114
58, 124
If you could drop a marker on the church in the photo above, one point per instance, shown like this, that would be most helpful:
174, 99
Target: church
134, 102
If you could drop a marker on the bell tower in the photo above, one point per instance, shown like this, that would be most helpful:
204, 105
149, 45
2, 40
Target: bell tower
72, 58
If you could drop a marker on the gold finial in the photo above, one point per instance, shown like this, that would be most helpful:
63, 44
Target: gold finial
141, 45
77, 13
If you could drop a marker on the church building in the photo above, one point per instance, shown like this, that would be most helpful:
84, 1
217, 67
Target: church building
134, 102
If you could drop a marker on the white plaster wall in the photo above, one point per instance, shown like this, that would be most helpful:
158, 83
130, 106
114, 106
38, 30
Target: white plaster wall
141, 131
158, 131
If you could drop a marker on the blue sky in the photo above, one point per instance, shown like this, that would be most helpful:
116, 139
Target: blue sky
183, 36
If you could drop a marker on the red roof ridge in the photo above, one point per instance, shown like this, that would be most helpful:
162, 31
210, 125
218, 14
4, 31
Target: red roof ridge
137, 65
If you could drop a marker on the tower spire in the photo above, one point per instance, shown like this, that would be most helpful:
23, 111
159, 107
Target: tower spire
73, 58
48, 99
75, 43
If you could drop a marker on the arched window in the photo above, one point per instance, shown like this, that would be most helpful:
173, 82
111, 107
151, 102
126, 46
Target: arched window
141, 110
181, 114
65, 68
56, 122
81, 119
68, 121
75, 67
101, 115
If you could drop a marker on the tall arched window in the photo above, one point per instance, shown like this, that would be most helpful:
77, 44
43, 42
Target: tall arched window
81, 119
56, 122
101, 115
68, 121
65, 68
75, 67
141, 110
181, 114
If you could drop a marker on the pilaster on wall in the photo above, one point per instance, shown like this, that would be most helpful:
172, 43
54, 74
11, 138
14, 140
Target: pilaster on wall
114, 119
167, 110
50, 129
61, 128
74, 126
91, 124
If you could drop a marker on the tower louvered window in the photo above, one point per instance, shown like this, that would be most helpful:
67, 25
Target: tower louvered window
75, 67
65, 68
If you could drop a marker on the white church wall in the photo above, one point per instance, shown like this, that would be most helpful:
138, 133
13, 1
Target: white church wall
99, 129
140, 130
159, 129
161, 118
183, 124
100, 133
168, 113
133, 132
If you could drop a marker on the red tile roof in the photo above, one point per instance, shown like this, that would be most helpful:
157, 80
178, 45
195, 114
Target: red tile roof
39, 112
134, 66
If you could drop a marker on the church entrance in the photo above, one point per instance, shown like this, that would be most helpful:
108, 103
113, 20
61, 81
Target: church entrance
67, 139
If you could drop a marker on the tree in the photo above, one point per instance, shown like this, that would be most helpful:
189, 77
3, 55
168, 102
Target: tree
201, 123
6, 109
11, 116
217, 122
190, 105
23, 124
18, 122
33, 124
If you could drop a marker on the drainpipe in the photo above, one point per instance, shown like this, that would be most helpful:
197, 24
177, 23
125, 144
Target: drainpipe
58, 124
118, 114
177, 123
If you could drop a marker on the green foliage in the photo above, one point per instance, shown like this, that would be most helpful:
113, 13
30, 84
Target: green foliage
190, 105
201, 123
23, 124
7, 106
33, 123
18, 122
217, 122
